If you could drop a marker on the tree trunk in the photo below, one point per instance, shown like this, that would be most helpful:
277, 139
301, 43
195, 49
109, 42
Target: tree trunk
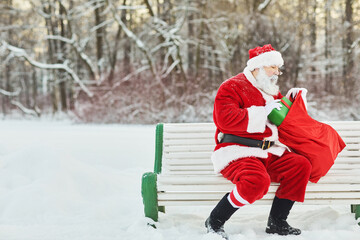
127, 47
62, 84
8, 69
328, 50
199, 58
300, 37
167, 16
190, 45
312, 23
34, 90
27, 88
7, 86
71, 98
54, 99
348, 69
113, 58
52, 48
99, 32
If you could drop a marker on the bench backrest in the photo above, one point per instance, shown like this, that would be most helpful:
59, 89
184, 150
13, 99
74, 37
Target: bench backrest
187, 148
183, 158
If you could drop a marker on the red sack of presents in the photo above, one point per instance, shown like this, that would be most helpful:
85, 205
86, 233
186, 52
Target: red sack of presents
317, 141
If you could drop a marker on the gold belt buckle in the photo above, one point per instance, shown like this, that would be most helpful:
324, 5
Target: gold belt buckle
263, 147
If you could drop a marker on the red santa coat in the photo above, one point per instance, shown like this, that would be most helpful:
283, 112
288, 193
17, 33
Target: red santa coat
239, 110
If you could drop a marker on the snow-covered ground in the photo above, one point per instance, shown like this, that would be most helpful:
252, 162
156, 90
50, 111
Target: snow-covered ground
64, 181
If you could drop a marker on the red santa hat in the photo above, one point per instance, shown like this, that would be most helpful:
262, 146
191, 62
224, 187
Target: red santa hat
264, 56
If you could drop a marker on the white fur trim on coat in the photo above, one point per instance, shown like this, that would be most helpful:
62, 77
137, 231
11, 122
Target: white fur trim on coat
225, 155
257, 119
268, 98
272, 58
249, 76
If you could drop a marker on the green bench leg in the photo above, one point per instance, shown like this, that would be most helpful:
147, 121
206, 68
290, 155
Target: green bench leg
355, 208
149, 194
161, 209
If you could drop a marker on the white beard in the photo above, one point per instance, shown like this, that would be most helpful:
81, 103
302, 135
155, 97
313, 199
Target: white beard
266, 83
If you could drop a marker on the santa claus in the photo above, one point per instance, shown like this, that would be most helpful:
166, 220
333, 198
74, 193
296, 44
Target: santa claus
247, 150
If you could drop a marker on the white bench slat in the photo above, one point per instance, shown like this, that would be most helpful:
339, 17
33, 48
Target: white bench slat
349, 154
190, 148
218, 195
196, 164
348, 140
355, 173
201, 169
351, 135
346, 133
191, 127
354, 162
209, 144
215, 179
210, 148
205, 161
187, 155
194, 172
179, 142
208, 167
229, 186
205, 127
211, 141
352, 146
260, 202
176, 127
188, 168
193, 135
195, 155
344, 124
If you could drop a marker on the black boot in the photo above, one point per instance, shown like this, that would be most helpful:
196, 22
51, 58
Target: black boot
219, 215
277, 219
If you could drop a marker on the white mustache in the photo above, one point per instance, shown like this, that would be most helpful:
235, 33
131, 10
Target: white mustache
274, 78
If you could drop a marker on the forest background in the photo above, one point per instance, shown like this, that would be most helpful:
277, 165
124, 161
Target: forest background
149, 61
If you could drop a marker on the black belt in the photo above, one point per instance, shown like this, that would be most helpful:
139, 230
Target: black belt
229, 138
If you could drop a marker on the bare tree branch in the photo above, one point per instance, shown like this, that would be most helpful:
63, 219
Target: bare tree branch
264, 5
25, 109
133, 37
10, 94
168, 35
19, 52
148, 5
79, 50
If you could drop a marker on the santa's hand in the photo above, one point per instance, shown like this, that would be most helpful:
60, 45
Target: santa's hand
293, 92
272, 105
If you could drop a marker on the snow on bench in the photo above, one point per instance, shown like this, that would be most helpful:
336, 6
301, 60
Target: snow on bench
183, 172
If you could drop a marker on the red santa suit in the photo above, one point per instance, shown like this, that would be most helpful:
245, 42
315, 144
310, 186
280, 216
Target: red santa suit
239, 109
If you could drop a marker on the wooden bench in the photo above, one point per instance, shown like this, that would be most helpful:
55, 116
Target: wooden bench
183, 172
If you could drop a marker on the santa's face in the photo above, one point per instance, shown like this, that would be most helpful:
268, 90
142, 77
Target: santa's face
272, 70
266, 79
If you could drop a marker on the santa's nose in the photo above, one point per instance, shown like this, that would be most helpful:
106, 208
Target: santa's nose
278, 72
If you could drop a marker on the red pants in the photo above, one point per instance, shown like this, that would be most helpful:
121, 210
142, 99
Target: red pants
252, 177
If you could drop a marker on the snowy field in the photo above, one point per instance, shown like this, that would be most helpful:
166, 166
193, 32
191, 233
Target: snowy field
61, 181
